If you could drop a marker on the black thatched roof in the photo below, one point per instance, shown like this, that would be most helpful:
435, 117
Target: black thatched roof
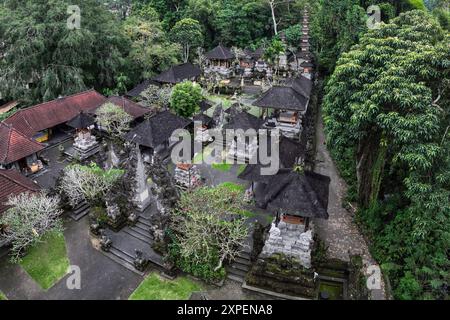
306, 64
256, 54
141, 87
282, 97
205, 105
81, 121
220, 53
301, 194
242, 120
178, 73
290, 151
203, 118
301, 84
156, 130
252, 172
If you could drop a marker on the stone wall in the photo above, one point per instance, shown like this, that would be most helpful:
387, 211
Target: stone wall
283, 274
290, 240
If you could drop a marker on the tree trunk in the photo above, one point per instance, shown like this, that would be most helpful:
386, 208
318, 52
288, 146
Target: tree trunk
274, 18
371, 159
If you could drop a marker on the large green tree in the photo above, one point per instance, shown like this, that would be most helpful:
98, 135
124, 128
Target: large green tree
388, 96
43, 58
151, 52
189, 34
186, 98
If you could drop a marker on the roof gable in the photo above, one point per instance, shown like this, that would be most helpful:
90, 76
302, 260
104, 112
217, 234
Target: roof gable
220, 53
132, 108
13, 183
179, 73
157, 129
46, 115
14, 145
302, 194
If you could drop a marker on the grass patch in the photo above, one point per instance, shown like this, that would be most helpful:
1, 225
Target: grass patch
47, 262
232, 186
269, 219
224, 167
246, 213
2, 296
201, 156
241, 168
156, 288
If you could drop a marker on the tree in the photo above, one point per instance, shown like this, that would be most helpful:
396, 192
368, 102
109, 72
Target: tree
186, 98
113, 119
87, 183
156, 97
151, 52
273, 52
44, 59
209, 229
335, 27
188, 33
386, 108
31, 216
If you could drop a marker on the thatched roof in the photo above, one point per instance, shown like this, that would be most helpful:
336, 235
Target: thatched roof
242, 120
178, 73
290, 151
301, 194
294, 95
141, 87
203, 118
81, 121
220, 53
157, 129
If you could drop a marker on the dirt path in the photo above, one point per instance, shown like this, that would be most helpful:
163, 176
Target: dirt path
339, 232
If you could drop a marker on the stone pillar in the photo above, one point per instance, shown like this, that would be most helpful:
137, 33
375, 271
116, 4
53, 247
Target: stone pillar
142, 197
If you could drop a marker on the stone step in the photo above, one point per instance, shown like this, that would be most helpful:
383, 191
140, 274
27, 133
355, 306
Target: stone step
79, 215
236, 273
244, 255
235, 278
142, 227
145, 221
138, 235
122, 255
119, 257
81, 207
241, 267
243, 261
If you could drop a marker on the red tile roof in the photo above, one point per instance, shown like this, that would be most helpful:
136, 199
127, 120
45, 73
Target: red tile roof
13, 183
46, 115
132, 108
14, 145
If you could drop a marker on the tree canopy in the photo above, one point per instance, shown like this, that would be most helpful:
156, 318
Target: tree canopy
387, 98
186, 98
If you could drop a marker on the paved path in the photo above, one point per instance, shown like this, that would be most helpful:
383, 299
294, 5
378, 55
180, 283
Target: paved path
101, 278
340, 233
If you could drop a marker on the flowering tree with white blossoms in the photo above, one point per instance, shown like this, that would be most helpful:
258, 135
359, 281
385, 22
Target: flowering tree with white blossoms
31, 215
87, 183
113, 119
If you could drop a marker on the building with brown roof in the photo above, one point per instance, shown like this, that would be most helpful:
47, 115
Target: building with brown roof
38, 121
132, 108
13, 183
17, 150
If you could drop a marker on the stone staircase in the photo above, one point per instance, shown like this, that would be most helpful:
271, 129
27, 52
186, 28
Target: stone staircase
81, 210
123, 258
141, 230
238, 270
